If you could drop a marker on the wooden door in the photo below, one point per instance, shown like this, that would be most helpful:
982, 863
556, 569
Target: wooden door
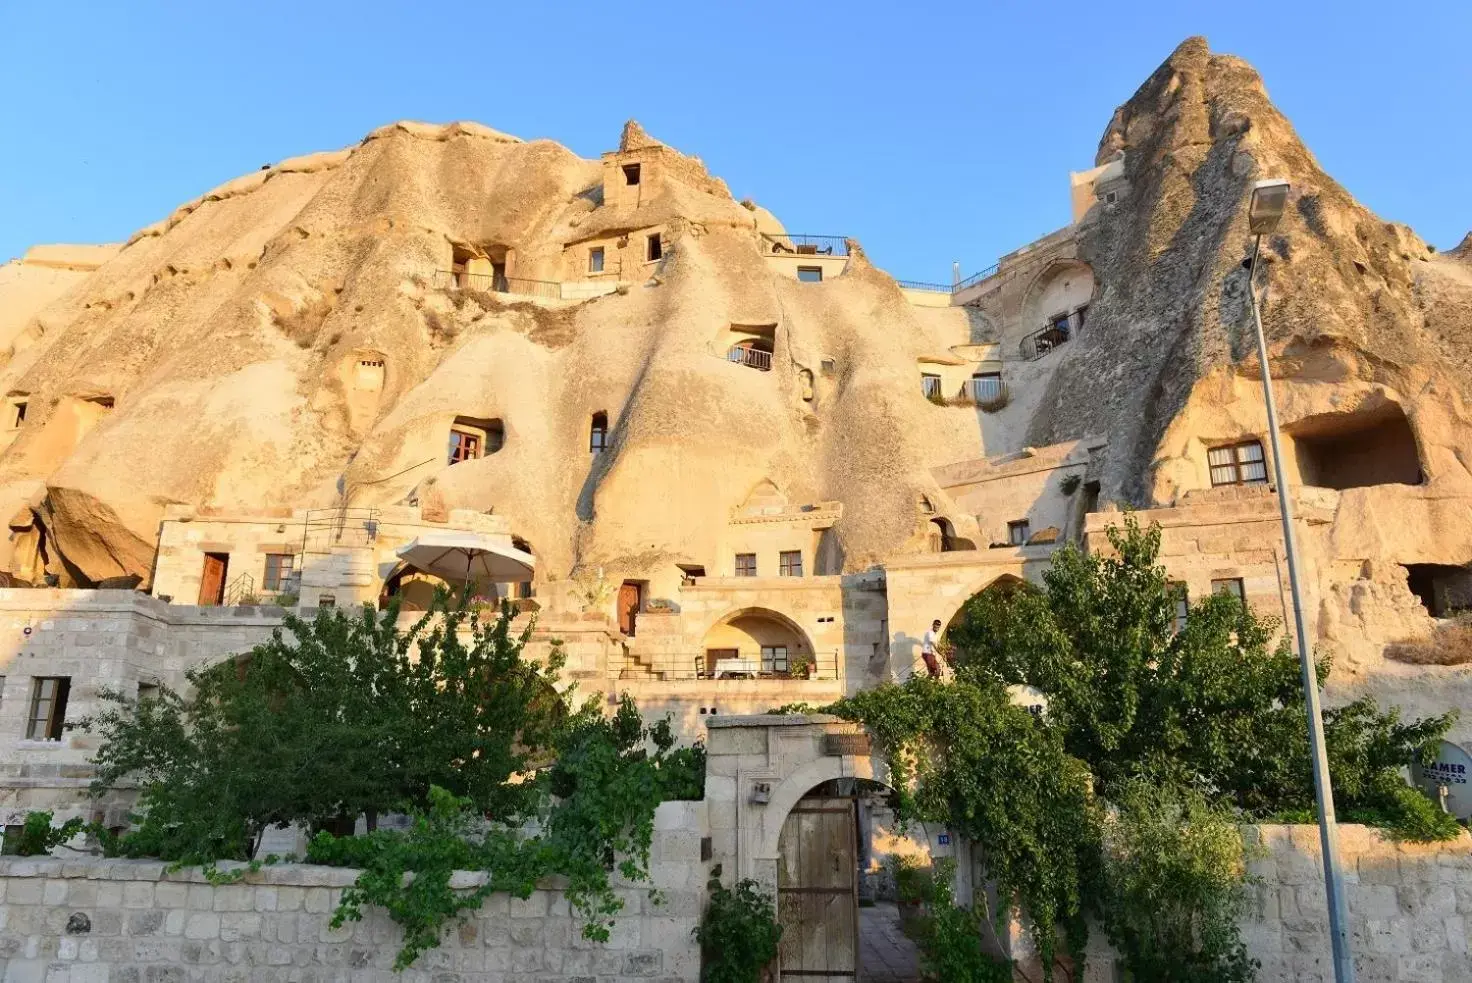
630, 599
818, 892
212, 581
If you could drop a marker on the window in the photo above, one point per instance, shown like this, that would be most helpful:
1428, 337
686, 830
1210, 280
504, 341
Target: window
598, 434
20, 414
595, 260
1237, 464
789, 563
986, 386
1110, 197
278, 571
930, 385
48, 708
1017, 532
810, 274
631, 174
746, 564
464, 446
655, 249
1229, 585
147, 691
774, 658
1183, 604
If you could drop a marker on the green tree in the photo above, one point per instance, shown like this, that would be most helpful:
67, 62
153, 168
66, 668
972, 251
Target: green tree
333, 718
1213, 707
964, 755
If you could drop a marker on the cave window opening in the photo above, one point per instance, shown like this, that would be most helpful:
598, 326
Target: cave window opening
1237, 464
1444, 590
1358, 451
631, 174
598, 434
655, 247
1018, 531
19, 414
471, 439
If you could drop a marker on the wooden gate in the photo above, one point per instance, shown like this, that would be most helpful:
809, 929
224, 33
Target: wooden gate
818, 891
630, 600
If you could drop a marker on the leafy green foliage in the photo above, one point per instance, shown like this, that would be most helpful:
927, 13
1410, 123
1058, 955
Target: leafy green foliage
1172, 887
345, 716
739, 934
964, 755
37, 836
1179, 734
949, 935
410, 873
1212, 707
331, 719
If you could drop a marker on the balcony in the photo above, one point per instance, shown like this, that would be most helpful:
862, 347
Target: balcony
751, 357
805, 245
1059, 332
498, 283
724, 667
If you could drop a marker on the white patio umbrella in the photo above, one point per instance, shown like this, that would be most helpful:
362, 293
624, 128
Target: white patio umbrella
467, 556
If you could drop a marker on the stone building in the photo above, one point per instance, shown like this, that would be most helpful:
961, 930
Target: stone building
751, 467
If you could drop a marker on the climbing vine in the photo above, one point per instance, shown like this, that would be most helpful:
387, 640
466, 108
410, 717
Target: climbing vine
1121, 802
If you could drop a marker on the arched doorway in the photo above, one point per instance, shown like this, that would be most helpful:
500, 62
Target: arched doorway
834, 927
762, 642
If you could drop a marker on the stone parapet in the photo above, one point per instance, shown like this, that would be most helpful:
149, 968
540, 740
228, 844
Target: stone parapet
127, 921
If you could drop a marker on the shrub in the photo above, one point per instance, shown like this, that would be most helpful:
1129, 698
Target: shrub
1172, 887
1449, 645
37, 836
739, 934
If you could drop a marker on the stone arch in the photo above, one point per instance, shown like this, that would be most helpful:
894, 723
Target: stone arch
750, 630
803, 780
947, 615
1002, 582
1053, 291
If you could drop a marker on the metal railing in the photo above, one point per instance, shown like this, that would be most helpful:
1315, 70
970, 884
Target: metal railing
242, 590
722, 667
1040, 343
976, 278
939, 288
805, 245
753, 358
498, 283
322, 529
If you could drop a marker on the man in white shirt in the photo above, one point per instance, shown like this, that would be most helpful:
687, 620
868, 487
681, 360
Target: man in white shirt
927, 649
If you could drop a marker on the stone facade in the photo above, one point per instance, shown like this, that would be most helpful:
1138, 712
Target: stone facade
118, 921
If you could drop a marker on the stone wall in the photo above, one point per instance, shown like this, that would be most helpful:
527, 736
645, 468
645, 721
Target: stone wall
128, 921
1410, 908
97, 640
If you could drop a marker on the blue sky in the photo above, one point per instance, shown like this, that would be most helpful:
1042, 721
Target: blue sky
931, 132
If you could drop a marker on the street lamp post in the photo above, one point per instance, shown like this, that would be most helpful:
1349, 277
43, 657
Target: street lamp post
1266, 209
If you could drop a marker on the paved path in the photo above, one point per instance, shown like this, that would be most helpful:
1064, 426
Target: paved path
886, 955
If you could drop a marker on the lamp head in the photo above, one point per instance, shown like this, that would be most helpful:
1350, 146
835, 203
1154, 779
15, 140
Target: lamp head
1269, 200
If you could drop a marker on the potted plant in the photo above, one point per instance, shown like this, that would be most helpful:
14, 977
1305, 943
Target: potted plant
801, 666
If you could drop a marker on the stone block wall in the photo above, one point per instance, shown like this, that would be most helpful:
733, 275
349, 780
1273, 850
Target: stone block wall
1410, 909
128, 921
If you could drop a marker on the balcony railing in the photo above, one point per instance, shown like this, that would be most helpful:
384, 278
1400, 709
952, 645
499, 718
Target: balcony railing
752, 358
498, 283
976, 278
805, 245
322, 529
939, 288
724, 668
1040, 343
